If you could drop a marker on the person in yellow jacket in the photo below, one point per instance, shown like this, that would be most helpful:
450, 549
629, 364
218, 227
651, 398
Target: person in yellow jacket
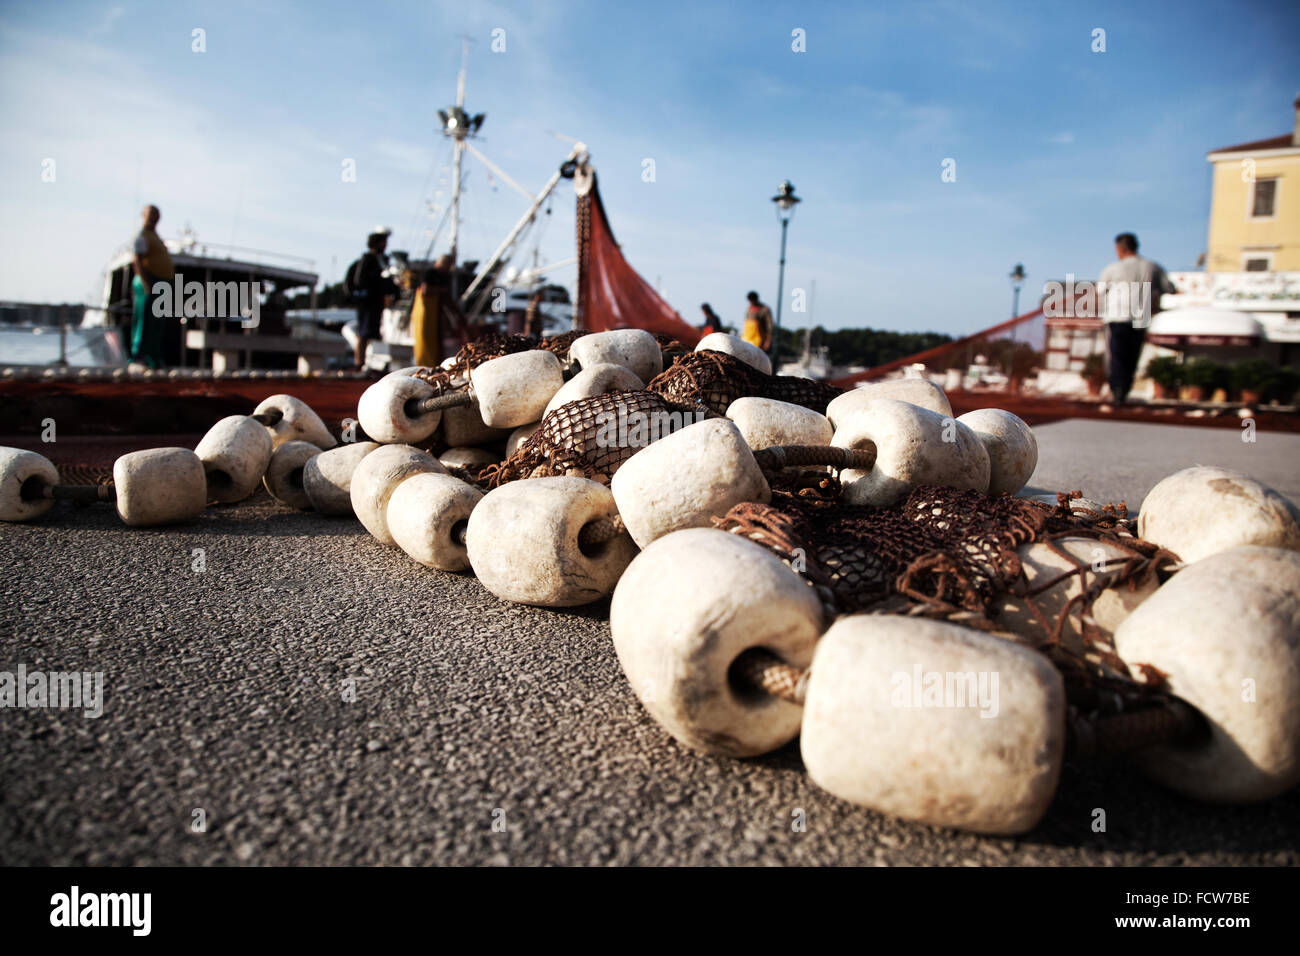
152, 263
434, 314
424, 326
758, 324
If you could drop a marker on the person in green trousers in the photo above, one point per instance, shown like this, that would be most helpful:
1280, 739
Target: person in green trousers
152, 263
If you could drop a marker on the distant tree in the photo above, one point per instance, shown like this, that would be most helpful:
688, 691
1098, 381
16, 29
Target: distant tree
867, 347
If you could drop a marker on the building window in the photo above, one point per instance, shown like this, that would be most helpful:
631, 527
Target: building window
1257, 262
1264, 203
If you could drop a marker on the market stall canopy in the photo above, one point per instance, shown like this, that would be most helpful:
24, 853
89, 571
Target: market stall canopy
1211, 327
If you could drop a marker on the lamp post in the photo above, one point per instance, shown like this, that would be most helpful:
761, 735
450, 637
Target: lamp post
785, 200
1017, 280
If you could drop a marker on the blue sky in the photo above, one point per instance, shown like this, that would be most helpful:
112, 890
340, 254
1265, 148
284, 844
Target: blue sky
1057, 148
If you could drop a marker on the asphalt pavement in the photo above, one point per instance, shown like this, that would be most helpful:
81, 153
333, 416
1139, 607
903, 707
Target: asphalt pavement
311, 697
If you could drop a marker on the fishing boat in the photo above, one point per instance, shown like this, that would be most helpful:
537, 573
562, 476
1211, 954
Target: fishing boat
213, 357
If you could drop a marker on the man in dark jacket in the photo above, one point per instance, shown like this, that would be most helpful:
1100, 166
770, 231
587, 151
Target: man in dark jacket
374, 290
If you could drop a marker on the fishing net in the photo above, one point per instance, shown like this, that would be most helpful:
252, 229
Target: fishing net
716, 379
592, 437
496, 344
611, 294
439, 378
670, 346
96, 473
490, 346
952, 555
487, 347
559, 344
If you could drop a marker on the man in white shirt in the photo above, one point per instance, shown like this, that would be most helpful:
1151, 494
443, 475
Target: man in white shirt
1130, 292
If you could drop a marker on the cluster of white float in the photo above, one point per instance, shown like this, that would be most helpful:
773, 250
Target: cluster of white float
689, 600
165, 486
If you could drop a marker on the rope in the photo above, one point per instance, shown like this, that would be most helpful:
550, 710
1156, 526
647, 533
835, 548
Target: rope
84, 494
437, 403
601, 531
803, 456
760, 669
1170, 720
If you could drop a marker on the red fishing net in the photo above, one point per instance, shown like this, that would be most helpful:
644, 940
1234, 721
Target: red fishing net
611, 295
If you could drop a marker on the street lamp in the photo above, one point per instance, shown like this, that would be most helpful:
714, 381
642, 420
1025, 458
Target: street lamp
1017, 280
785, 200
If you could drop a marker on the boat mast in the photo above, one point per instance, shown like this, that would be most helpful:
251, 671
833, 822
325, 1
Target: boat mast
459, 126
579, 150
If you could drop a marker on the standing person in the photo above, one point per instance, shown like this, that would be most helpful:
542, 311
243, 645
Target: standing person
1130, 290
435, 314
424, 322
151, 263
371, 290
711, 321
758, 323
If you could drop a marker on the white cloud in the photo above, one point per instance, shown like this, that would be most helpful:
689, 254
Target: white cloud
105, 26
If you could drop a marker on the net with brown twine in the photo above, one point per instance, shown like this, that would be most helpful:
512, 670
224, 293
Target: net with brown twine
559, 344
493, 345
952, 555
439, 378
670, 346
716, 379
487, 347
496, 344
946, 554
592, 437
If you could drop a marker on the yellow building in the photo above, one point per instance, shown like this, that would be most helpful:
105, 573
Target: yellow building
1255, 205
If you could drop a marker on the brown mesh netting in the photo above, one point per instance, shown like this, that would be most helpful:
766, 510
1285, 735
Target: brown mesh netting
100, 473
493, 345
438, 378
593, 436
559, 344
496, 344
716, 379
670, 346
487, 347
951, 555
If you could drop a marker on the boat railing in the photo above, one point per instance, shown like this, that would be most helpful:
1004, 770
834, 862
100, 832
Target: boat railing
221, 250
217, 250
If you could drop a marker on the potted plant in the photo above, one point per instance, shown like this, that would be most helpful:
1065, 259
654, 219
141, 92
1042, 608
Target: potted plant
1200, 377
1166, 374
1094, 373
1252, 378
1020, 365
1283, 387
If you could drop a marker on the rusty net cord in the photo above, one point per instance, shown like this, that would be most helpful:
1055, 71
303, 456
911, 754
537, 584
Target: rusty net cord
592, 437
496, 344
486, 347
716, 379
951, 555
